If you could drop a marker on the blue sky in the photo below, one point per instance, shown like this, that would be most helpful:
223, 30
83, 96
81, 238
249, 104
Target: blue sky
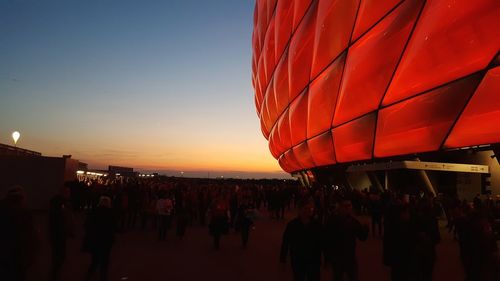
162, 85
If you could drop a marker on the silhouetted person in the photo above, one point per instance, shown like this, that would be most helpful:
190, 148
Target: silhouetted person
245, 221
303, 239
399, 240
427, 237
60, 228
164, 208
376, 210
219, 222
182, 221
482, 249
341, 232
100, 230
18, 236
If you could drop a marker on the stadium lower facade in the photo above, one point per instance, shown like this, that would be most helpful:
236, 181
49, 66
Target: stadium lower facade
376, 94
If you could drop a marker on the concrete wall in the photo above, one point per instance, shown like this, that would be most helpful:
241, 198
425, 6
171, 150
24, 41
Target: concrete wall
41, 177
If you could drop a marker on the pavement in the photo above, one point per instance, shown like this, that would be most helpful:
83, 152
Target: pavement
138, 255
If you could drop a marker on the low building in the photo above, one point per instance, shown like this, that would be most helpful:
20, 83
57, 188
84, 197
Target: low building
40, 176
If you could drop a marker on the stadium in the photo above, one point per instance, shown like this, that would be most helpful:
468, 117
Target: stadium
381, 94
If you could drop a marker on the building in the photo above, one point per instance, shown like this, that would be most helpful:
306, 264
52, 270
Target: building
122, 171
40, 176
358, 93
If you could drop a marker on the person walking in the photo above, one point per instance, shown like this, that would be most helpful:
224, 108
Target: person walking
19, 239
245, 221
341, 231
164, 207
303, 239
100, 229
219, 222
60, 228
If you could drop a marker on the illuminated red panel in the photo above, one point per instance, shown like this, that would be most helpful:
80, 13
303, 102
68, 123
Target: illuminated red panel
256, 44
276, 142
370, 12
421, 123
263, 129
284, 164
453, 38
321, 148
271, 5
255, 55
281, 84
265, 120
303, 155
284, 131
371, 62
269, 59
300, 53
271, 104
478, 124
257, 106
258, 96
293, 163
262, 19
273, 146
298, 117
323, 93
334, 25
261, 75
283, 26
354, 140
299, 9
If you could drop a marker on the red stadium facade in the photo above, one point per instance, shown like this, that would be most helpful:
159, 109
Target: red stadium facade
339, 82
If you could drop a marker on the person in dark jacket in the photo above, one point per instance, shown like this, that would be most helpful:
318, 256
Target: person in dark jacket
244, 221
19, 239
219, 221
60, 228
341, 231
399, 240
427, 237
303, 239
99, 237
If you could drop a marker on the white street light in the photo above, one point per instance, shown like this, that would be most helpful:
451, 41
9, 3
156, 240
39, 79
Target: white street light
15, 136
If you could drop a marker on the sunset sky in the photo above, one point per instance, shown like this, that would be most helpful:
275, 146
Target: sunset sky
155, 85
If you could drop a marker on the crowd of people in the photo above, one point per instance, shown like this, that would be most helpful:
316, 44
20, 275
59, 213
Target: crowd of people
329, 224
327, 229
116, 206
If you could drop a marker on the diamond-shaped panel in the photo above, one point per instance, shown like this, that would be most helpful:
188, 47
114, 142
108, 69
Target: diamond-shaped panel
478, 124
399, 132
452, 39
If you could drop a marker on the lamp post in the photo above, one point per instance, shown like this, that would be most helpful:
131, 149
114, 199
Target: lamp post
15, 136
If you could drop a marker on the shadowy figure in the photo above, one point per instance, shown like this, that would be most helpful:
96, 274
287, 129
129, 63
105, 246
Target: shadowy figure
18, 236
61, 227
100, 230
219, 222
303, 239
164, 208
244, 221
341, 231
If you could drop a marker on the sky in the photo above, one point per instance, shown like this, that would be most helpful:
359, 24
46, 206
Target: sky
154, 85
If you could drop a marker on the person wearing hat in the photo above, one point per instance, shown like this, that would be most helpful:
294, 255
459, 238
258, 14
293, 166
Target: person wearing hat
19, 237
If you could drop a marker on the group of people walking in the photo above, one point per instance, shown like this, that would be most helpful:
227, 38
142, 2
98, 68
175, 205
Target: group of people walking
408, 226
109, 208
329, 225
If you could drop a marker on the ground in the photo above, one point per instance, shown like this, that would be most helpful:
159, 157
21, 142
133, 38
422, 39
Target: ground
138, 255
